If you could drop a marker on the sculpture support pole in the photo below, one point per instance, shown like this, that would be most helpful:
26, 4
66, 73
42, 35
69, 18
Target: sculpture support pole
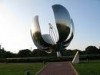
58, 54
59, 47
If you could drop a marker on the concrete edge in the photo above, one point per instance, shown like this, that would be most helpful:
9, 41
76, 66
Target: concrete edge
37, 73
74, 69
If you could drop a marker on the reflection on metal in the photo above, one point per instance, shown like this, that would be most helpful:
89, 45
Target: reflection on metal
51, 41
36, 35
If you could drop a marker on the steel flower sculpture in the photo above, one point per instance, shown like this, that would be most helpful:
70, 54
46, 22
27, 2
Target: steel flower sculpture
65, 30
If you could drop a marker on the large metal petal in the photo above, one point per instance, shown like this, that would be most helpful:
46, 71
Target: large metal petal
36, 35
63, 20
67, 42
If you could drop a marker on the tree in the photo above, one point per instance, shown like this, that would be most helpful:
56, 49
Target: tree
92, 50
38, 53
2, 53
67, 52
24, 53
9, 54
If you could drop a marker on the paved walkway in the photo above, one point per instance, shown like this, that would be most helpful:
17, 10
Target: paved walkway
58, 68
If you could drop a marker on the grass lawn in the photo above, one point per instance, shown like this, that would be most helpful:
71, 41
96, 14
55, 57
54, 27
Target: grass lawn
19, 68
88, 68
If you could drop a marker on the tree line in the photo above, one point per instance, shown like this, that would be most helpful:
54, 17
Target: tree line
90, 50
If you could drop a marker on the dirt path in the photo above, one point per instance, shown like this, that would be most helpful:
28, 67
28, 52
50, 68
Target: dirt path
58, 68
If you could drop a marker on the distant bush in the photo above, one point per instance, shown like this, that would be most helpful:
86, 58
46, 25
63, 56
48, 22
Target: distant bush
36, 59
90, 57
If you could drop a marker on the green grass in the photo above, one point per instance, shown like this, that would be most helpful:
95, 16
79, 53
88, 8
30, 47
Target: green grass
88, 68
19, 68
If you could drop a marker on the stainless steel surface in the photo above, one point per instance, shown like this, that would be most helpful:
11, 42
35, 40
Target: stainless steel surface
51, 42
36, 35
63, 20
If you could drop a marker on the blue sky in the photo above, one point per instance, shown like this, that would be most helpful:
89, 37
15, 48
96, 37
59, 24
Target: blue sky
16, 18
